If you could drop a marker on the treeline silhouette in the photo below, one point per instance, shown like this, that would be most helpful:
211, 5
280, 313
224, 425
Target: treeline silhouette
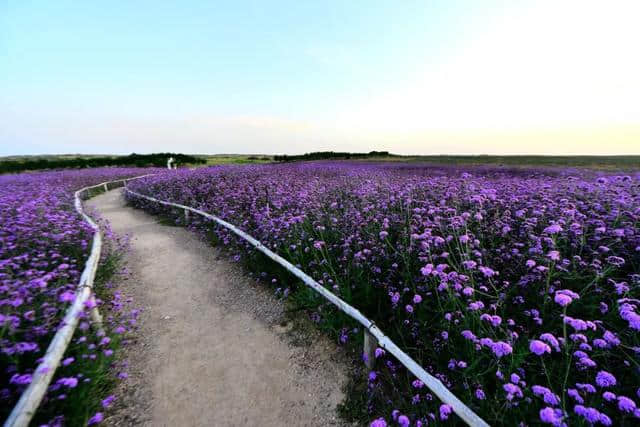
324, 155
139, 160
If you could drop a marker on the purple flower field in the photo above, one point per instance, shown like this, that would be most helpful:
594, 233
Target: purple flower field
519, 289
43, 247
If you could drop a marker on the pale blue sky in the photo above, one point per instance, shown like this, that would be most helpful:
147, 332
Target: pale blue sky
294, 76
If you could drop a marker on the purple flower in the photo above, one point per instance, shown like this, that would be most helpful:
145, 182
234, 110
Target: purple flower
468, 335
575, 395
605, 420
553, 229
615, 260
512, 391
605, 379
70, 382
395, 297
539, 347
95, 419
487, 272
564, 297
501, 349
625, 404
551, 416
611, 338
21, 379
426, 270
551, 340
469, 265
548, 396
445, 411
403, 421
106, 402
554, 255
592, 415
379, 422
67, 296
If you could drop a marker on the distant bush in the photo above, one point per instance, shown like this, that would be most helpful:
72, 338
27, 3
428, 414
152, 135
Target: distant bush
324, 155
138, 160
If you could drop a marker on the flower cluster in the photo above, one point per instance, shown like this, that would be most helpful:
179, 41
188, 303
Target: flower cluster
518, 289
43, 247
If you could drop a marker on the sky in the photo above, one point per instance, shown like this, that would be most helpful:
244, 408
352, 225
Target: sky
410, 77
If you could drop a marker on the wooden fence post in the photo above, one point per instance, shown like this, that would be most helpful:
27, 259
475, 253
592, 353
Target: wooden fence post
105, 187
96, 318
186, 216
369, 351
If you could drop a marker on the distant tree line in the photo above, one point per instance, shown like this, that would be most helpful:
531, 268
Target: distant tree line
137, 160
324, 155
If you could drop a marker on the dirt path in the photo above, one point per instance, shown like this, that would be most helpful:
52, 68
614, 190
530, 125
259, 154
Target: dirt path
213, 348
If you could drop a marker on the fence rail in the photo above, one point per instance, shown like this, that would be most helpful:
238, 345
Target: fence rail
30, 399
372, 333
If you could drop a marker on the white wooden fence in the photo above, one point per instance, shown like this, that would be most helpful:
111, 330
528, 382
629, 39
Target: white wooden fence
30, 399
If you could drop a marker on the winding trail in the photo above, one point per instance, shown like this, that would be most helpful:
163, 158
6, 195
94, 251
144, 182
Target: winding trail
214, 347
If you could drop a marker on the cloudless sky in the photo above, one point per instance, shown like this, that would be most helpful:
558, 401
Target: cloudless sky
548, 77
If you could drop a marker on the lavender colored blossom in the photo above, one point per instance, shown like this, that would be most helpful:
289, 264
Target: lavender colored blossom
539, 348
554, 255
625, 404
501, 349
553, 229
445, 411
95, 419
551, 416
605, 379
106, 402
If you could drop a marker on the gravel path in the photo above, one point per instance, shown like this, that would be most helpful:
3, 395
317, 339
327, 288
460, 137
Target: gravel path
214, 347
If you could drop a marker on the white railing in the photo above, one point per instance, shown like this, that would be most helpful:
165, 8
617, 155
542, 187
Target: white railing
372, 335
30, 399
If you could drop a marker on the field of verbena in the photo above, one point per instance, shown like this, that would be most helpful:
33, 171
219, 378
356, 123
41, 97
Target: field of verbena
518, 289
44, 244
